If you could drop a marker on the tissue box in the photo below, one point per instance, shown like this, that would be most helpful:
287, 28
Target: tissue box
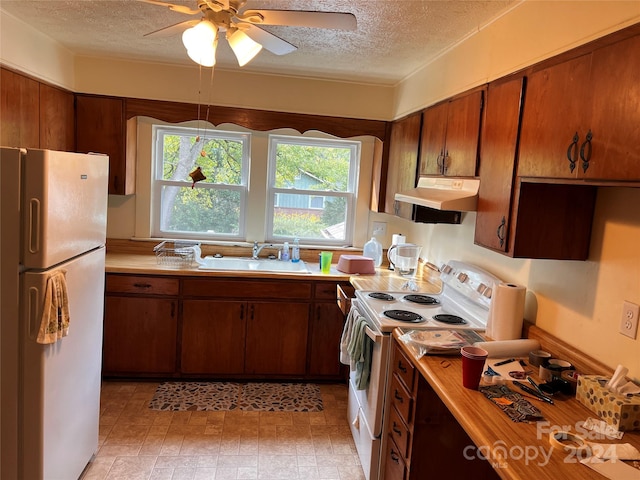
618, 410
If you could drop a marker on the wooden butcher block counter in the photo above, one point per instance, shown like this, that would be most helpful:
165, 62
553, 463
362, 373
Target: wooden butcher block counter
516, 451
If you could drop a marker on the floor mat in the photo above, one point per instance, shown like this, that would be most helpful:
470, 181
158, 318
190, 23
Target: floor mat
225, 396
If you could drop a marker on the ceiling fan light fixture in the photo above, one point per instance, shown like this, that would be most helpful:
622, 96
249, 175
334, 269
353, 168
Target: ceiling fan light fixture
244, 48
201, 42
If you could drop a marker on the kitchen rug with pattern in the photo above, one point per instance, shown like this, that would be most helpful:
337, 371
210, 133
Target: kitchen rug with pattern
192, 396
225, 396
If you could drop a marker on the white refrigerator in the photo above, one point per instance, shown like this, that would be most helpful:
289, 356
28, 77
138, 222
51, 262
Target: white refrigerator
53, 209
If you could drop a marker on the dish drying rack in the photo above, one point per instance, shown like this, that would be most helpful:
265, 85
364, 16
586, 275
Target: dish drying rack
175, 253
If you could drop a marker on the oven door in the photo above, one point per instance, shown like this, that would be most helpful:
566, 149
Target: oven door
366, 407
371, 400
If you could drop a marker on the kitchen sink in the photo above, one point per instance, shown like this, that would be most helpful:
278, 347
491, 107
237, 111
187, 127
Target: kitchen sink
249, 264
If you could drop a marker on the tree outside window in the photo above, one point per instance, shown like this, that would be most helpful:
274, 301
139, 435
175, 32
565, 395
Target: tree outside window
211, 208
314, 181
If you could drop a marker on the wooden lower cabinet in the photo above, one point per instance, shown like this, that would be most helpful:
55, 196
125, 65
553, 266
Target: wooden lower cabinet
423, 439
140, 336
213, 335
199, 327
276, 342
326, 324
325, 330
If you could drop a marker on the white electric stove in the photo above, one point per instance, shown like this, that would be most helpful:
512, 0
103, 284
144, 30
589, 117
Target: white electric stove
466, 293
463, 303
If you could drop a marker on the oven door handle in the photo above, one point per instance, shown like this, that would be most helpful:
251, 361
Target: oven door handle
377, 338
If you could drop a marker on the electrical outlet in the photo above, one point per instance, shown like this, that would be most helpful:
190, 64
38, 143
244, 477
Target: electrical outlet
629, 320
379, 228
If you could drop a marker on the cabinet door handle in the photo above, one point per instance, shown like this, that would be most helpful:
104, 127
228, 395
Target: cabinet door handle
173, 309
446, 161
396, 430
398, 397
401, 367
440, 160
251, 311
586, 158
142, 285
500, 231
572, 152
395, 457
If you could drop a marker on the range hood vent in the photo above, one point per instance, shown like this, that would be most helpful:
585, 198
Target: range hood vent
441, 193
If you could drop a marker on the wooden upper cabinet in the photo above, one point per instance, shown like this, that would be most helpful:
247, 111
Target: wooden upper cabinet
101, 128
403, 163
434, 127
581, 117
615, 116
57, 118
554, 121
19, 110
450, 134
497, 163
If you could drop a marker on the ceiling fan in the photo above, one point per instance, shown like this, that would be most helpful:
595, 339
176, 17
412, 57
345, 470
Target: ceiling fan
242, 28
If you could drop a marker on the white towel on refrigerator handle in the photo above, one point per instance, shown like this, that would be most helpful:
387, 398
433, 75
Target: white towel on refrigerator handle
54, 323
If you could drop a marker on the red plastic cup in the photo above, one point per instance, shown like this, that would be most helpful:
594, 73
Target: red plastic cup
473, 359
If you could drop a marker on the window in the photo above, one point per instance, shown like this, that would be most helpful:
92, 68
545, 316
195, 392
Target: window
312, 189
213, 208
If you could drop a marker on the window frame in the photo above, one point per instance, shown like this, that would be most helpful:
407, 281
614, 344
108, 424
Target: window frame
157, 183
350, 195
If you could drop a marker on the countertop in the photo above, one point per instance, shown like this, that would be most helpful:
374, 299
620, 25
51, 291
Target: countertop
383, 279
507, 442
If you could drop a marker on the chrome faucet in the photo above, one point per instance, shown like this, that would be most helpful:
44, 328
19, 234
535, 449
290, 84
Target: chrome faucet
257, 249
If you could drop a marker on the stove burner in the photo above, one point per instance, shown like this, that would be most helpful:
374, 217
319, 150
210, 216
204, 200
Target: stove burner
451, 319
403, 316
381, 296
421, 299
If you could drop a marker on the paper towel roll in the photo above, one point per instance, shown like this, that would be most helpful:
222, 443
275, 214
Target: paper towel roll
397, 239
509, 348
507, 312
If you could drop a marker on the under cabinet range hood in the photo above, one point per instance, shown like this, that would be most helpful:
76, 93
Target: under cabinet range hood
442, 193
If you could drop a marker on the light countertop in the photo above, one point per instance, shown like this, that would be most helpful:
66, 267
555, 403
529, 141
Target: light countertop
383, 279
504, 440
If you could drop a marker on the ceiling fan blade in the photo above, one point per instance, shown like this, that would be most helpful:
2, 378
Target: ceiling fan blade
172, 29
268, 40
333, 20
172, 7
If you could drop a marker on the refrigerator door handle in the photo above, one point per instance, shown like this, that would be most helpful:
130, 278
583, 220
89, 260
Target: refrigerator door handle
33, 300
34, 225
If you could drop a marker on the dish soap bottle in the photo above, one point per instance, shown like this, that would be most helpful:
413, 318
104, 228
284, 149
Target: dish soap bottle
295, 250
373, 249
285, 252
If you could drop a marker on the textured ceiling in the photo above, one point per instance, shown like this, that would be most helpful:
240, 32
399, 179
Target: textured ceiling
393, 37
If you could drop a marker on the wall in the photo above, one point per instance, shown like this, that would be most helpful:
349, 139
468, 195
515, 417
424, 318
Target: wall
580, 302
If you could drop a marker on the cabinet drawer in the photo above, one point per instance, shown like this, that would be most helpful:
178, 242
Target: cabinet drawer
325, 290
345, 293
245, 289
399, 432
403, 367
141, 284
401, 399
394, 467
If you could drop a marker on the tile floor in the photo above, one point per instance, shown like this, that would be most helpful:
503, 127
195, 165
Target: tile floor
137, 443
